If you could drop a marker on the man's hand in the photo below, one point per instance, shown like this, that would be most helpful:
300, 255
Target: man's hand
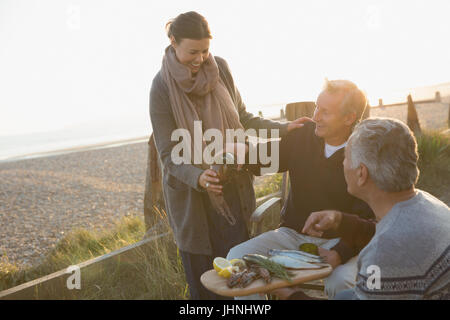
331, 257
320, 221
298, 123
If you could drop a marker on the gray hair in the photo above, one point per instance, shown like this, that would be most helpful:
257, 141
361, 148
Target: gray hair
388, 149
355, 100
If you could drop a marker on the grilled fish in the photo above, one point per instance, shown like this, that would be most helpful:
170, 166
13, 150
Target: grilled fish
298, 255
263, 273
291, 263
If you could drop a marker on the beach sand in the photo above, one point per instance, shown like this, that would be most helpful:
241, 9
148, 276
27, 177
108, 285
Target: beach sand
44, 198
432, 116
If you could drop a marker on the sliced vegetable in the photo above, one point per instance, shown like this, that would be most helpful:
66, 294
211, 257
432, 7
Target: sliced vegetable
309, 248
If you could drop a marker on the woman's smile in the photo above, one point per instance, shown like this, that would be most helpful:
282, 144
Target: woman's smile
194, 67
192, 53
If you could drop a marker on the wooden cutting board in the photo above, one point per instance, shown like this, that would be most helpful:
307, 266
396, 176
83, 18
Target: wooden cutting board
217, 284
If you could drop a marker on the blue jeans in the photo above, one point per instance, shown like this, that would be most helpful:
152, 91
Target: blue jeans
223, 237
348, 294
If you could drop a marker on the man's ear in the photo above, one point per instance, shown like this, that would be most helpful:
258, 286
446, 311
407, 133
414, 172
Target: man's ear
362, 175
350, 118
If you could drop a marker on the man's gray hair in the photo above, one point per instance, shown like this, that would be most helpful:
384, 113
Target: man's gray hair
388, 149
355, 100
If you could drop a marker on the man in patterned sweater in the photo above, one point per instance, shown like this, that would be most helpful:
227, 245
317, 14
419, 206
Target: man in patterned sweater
409, 255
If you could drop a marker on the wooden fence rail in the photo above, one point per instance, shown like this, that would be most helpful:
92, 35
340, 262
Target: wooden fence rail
54, 286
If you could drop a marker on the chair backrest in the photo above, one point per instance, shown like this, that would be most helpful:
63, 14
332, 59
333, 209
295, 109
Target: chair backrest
293, 111
306, 109
300, 109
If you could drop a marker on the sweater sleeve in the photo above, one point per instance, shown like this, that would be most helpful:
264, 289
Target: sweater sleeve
163, 125
279, 161
247, 119
345, 251
357, 232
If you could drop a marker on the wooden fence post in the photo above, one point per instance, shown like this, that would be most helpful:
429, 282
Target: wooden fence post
412, 118
300, 109
448, 122
437, 96
153, 195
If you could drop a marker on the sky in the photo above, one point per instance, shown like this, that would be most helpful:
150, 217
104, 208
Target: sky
65, 63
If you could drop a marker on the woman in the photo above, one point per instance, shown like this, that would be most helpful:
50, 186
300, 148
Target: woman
193, 85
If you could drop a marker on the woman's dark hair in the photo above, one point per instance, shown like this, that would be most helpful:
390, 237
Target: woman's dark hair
189, 25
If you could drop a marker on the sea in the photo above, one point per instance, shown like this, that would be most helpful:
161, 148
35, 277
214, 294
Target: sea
100, 134
85, 136
90, 135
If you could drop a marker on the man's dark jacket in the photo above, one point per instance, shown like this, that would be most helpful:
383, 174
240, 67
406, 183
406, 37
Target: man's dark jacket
317, 183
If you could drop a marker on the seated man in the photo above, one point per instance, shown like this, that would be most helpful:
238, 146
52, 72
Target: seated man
408, 257
313, 155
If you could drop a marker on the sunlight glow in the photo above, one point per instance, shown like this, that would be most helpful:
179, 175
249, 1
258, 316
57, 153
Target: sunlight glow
65, 62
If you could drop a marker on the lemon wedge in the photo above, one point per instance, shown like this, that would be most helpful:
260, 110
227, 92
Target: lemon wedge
220, 264
226, 273
239, 263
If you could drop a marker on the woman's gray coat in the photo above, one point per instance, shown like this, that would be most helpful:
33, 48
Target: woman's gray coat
182, 194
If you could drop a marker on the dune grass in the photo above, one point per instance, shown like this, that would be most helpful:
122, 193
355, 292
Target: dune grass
434, 164
157, 274
270, 185
160, 275
79, 245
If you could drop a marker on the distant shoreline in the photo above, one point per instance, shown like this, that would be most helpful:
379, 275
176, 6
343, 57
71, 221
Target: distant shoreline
96, 146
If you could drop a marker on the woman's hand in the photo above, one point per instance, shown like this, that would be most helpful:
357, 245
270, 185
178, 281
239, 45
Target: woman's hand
298, 123
209, 180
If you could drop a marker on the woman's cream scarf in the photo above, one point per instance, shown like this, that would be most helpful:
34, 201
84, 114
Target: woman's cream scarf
201, 98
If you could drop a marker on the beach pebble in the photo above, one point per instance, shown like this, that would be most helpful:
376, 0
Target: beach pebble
43, 199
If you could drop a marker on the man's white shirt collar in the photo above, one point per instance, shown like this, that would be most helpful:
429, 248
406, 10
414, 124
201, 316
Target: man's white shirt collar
330, 150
